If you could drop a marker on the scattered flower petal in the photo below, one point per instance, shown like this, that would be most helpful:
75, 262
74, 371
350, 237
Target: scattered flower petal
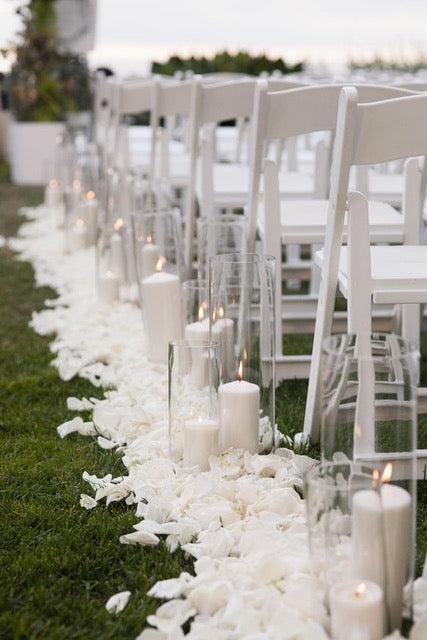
118, 602
87, 501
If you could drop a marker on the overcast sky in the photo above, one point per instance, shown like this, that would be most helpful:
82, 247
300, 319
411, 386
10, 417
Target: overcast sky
129, 33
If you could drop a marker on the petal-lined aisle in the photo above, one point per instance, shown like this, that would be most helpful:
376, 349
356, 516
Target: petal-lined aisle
243, 521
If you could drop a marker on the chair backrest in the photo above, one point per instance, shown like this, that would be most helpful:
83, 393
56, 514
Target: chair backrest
367, 133
133, 97
371, 133
171, 102
171, 98
130, 97
212, 104
103, 110
283, 114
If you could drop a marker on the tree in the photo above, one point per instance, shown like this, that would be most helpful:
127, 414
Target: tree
45, 84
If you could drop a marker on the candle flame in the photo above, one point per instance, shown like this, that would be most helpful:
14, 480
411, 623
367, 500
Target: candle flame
53, 184
80, 222
387, 473
149, 240
118, 224
221, 312
201, 313
90, 195
240, 371
160, 263
360, 589
375, 478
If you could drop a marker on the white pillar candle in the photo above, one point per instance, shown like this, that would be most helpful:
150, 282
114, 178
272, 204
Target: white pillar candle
357, 611
117, 255
108, 287
72, 197
226, 328
239, 415
200, 442
78, 235
196, 332
52, 195
380, 538
150, 253
419, 630
89, 212
161, 299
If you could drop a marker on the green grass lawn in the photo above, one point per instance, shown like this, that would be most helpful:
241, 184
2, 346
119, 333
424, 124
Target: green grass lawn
58, 562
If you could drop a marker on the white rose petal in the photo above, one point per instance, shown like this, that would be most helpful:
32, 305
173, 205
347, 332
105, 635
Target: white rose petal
87, 501
152, 634
140, 537
118, 602
106, 444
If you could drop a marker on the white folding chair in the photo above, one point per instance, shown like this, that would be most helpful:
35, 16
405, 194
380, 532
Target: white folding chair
282, 221
211, 104
225, 185
132, 145
172, 101
366, 134
102, 110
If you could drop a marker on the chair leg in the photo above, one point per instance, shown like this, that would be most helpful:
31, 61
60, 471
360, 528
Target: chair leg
272, 239
359, 287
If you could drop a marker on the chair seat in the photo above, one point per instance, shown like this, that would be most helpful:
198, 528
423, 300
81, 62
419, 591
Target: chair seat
398, 273
304, 221
387, 187
179, 169
231, 184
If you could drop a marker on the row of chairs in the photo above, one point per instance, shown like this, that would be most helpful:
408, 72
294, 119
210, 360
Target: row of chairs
305, 206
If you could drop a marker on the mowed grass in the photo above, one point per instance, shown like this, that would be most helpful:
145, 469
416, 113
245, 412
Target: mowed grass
59, 563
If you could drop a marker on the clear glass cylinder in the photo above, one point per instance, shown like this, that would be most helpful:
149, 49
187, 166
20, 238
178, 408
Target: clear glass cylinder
225, 233
160, 270
369, 401
195, 302
158, 236
360, 534
108, 273
369, 398
194, 378
242, 318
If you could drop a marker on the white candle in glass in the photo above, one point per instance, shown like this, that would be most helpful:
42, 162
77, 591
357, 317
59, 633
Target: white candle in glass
117, 251
161, 299
381, 525
239, 414
357, 610
108, 287
78, 235
200, 442
196, 332
419, 630
72, 197
225, 327
52, 195
150, 253
89, 212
